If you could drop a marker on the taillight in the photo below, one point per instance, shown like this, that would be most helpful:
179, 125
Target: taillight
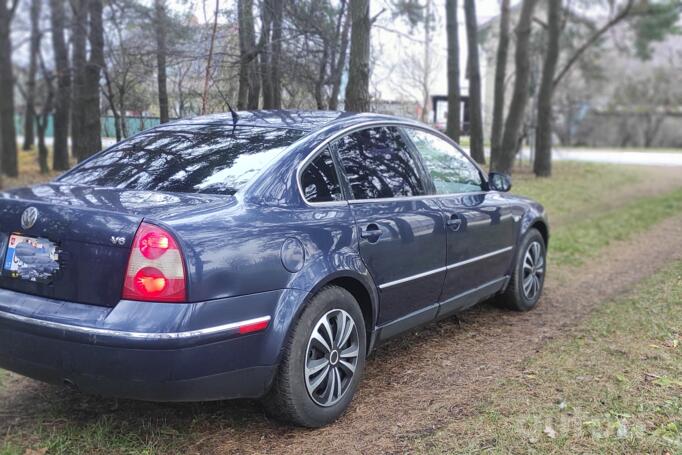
156, 271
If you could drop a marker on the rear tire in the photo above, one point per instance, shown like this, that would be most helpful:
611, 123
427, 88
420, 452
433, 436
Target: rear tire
528, 275
322, 361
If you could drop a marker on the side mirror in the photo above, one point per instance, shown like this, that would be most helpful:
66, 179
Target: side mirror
499, 182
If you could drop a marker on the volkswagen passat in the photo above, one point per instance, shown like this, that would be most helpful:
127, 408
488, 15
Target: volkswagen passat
255, 254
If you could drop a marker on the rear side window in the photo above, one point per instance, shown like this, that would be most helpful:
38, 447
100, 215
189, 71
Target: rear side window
189, 158
319, 180
378, 164
450, 170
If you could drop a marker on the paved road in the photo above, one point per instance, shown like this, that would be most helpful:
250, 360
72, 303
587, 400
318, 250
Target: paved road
644, 158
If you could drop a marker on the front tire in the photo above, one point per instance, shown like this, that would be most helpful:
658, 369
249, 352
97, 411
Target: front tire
322, 361
528, 276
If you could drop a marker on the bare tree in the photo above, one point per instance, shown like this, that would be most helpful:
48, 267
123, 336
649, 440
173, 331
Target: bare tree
60, 148
454, 121
249, 87
357, 90
543, 134
79, 18
32, 70
543, 154
91, 136
161, 51
276, 56
204, 98
500, 79
474, 75
8, 144
519, 99
42, 118
339, 62
427, 61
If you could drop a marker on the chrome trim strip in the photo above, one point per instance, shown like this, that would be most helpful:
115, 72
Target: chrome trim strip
479, 258
412, 198
441, 269
132, 335
375, 123
412, 277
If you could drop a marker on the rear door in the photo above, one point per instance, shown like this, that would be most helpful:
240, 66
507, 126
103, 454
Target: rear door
480, 226
402, 233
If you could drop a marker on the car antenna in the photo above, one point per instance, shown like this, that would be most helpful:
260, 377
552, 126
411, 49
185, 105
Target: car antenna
235, 116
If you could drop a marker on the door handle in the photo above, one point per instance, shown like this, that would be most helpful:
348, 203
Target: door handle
371, 233
454, 222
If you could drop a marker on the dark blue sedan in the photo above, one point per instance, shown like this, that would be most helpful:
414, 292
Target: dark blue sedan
256, 254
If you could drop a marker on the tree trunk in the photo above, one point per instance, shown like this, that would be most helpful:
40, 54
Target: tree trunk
426, 62
357, 89
276, 56
248, 90
42, 120
543, 134
454, 119
519, 99
161, 51
341, 58
500, 78
78, 61
8, 135
91, 136
475, 116
265, 47
29, 115
60, 148
207, 77
321, 77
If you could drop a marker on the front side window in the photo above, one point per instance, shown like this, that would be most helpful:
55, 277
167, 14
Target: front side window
450, 170
185, 158
378, 164
319, 180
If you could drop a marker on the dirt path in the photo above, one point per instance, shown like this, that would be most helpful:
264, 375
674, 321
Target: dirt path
413, 385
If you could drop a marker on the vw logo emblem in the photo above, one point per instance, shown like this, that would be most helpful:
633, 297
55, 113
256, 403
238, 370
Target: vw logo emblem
29, 217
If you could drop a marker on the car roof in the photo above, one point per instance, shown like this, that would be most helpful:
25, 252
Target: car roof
309, 121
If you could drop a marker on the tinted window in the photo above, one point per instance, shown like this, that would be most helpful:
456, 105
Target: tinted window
450, 170
185, 158
378, 164
319, 180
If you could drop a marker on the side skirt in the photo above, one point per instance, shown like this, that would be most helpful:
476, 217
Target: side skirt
439, 310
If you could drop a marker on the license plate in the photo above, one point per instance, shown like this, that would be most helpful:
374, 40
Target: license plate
30, 258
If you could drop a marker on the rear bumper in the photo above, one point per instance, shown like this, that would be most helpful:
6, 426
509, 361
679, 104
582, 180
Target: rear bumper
191, 352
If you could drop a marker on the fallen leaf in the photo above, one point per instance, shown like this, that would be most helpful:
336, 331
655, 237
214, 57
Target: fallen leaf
550, 432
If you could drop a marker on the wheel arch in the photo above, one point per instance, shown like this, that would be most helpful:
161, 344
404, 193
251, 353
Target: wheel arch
542, 227
361, 288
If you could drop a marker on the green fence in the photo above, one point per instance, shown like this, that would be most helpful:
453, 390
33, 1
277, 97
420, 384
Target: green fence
134, 124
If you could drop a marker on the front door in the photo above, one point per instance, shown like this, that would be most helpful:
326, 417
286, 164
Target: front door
402, 238
480, 225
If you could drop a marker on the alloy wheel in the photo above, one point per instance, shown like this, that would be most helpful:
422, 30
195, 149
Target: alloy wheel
533, 270
331, 357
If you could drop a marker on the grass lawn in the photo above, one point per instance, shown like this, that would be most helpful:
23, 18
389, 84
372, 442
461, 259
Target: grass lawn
614, 386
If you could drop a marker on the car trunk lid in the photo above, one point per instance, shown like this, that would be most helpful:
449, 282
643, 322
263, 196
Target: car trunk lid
90, 230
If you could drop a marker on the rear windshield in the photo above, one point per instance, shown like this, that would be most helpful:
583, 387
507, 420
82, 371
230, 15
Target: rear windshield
185, 158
